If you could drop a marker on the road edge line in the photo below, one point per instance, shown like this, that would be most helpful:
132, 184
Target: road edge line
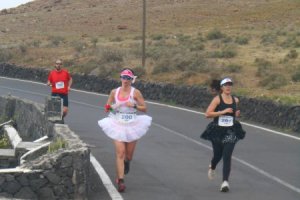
112, 191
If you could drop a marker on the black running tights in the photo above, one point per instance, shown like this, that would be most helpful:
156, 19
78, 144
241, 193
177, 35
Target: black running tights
222, 150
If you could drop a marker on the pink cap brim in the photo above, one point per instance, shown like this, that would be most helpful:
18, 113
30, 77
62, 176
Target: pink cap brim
127, 73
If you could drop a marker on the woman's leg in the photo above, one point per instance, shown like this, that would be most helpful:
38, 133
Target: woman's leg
227, 154
217, 154
120, 156
130, 147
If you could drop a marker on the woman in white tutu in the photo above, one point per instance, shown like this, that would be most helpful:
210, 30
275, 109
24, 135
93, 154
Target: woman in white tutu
123, 125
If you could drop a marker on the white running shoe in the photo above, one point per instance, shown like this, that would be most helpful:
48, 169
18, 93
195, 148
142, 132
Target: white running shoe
224, 186
211, 173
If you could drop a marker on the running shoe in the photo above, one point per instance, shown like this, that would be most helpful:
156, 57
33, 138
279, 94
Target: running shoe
224, 186
126, 166
211, 173
121, 185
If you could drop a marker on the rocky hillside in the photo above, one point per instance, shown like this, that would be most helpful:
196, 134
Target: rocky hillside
256, 42
102, 17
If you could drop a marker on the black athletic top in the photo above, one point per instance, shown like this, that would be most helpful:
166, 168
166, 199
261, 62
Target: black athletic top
223, 106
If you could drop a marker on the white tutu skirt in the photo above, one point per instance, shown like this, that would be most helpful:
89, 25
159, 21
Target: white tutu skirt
125, 132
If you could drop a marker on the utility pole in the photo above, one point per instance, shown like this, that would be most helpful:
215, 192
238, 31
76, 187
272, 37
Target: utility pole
144, 36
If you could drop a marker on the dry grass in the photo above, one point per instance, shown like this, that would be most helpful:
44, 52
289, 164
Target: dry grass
86, 35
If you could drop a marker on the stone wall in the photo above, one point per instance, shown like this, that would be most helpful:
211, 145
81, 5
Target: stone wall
258, 111
22, 112
58, 174
7, 158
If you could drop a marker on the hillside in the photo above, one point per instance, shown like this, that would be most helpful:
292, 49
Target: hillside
256, 42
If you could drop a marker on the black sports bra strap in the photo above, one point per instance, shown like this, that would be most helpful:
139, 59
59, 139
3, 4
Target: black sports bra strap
221, 99
233, 100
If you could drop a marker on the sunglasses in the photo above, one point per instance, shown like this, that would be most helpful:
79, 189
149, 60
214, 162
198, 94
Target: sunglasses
126, 78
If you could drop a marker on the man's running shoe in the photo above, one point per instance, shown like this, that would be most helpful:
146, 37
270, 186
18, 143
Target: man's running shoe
224, 187
211, 173
121, 185
126, 166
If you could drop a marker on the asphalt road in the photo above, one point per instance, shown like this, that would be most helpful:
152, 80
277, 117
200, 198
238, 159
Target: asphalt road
171, 161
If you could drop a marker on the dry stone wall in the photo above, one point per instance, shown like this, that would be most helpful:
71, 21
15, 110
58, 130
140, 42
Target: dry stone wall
58, 174
253, 110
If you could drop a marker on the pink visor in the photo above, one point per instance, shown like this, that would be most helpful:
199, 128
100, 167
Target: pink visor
127, 73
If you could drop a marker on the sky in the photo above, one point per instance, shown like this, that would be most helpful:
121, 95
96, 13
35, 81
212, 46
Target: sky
11, 3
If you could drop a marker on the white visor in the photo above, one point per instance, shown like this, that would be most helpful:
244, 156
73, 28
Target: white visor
225, 80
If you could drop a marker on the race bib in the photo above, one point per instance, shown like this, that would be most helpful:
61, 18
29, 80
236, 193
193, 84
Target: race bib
225, 120
126, 117
59, 85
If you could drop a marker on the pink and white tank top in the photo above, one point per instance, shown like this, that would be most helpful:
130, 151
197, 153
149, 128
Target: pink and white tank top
121, 102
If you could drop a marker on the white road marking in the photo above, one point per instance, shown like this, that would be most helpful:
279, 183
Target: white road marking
113, 193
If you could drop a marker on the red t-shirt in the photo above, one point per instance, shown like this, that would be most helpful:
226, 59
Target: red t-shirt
59, 81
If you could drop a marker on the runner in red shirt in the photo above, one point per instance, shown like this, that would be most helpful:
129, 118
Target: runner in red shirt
60, 81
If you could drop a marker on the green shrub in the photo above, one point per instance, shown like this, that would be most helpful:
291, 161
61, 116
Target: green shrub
215, 34
116, 39
36, 43
56, 40
138, 37
157, 37
242, 40
139, 71
23, 48
227, 39
293, 54
198, 64
91, 64
297, 44
296, 76
290, 42
4, 142
110, 70
57, 144
263, 67
281, 32
273, 81
242, 91
268, 38
159, 51
162, 66
154, 52
197, 46
5, 55
287, 100
94, 41
233, 68
225, 53
183, 38
69, 63
187, 74
184, 76
178, 58
111, 55
200, 38
79, 46
229, 53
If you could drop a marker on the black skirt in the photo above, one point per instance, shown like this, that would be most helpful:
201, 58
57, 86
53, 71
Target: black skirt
216, 133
